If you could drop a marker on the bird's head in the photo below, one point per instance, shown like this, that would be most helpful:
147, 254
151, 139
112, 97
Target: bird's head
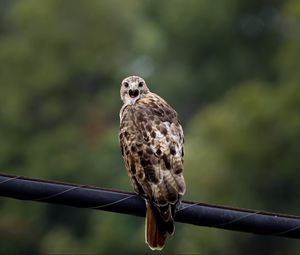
133, 88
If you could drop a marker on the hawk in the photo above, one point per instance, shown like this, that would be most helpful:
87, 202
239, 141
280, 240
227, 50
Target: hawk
151, 140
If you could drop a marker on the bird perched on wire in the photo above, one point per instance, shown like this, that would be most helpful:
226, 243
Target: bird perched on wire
151, 140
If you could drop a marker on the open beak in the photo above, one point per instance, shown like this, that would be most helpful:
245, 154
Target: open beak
133, 93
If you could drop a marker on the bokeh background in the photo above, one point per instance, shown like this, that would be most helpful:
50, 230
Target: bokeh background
231, 70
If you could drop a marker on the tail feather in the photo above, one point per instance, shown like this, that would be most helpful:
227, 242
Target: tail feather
156, 230
165, 217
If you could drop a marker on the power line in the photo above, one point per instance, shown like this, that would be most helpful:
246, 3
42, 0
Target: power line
201, 214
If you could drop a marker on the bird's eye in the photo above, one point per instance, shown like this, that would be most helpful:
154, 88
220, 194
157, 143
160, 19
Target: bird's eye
126, 85
141, 84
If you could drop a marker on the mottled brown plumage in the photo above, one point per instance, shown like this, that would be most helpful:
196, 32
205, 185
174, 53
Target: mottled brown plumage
151, 140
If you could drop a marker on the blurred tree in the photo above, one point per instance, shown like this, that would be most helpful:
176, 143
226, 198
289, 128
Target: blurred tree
207, 47
247, 148
53, 63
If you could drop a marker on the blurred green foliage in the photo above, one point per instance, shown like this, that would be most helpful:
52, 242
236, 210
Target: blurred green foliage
230, 68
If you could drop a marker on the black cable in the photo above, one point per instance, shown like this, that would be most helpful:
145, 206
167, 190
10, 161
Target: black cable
201, 214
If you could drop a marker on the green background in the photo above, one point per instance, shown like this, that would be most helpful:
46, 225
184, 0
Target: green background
231, 70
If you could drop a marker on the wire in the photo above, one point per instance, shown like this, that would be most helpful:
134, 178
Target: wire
201, 214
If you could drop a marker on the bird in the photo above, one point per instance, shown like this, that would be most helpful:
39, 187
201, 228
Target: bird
151, 139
